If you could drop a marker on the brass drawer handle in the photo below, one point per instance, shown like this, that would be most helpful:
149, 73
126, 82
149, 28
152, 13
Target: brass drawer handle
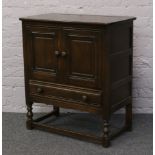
84, 98
57, 53
63, 54
39, 90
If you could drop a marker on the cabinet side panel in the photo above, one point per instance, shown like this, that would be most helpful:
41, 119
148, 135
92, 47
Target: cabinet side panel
121, 64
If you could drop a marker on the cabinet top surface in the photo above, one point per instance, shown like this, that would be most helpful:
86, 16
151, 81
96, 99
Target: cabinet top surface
77, 18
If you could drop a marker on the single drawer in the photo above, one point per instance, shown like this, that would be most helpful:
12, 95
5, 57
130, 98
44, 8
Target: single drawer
82, 96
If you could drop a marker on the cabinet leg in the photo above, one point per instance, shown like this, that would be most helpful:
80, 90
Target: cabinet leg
128, 117
106, 138
57, 110
29, 116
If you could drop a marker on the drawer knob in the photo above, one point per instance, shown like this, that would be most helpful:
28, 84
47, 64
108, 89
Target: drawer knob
84, 98
57, 53
39, 90
63, 54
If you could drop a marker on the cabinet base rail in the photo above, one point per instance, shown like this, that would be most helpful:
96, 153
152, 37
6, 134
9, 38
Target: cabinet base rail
35, 124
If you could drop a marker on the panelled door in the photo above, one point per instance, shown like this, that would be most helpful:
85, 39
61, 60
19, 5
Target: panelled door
43, 52
64, 55
81, 50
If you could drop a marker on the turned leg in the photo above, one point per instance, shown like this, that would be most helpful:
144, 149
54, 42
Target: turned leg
29, 116
128, 117
57, 110
106, 138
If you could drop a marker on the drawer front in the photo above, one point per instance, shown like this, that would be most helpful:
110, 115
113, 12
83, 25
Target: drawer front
66, 93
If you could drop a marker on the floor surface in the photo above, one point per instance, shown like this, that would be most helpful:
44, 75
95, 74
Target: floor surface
17, 140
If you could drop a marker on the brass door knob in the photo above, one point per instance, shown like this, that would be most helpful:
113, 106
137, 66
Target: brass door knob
57, 53
63, 54
84, 98
39, 90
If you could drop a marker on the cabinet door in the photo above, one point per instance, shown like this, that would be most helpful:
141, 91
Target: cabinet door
81, 60
42, 47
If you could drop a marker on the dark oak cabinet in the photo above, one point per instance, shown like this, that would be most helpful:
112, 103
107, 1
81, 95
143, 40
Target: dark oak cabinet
81, 62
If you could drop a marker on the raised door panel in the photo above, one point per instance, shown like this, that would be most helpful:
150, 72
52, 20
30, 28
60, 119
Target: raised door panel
43, 43
81, 62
